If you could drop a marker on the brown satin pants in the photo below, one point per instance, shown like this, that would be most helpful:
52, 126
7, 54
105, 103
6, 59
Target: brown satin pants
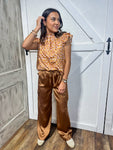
48, 81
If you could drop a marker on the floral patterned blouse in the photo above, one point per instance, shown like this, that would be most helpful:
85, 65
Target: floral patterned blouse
51, 56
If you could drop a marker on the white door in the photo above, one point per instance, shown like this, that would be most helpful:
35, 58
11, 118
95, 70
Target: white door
88, 78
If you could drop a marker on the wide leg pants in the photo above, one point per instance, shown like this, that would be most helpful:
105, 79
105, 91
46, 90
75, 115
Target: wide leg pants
48, 81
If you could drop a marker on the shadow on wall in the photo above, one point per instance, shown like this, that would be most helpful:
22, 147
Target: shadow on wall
74, 88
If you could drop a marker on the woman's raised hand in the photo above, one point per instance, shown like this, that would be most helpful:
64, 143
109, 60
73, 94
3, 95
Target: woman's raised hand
28, 42
38, 22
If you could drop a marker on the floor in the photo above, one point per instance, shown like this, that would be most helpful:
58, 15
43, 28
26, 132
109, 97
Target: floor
26, 139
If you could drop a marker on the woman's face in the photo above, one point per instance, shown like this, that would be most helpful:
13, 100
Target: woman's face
53, 22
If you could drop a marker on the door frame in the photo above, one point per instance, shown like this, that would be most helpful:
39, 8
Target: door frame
27, 58
108, 123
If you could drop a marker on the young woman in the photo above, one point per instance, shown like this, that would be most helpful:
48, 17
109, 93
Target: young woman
53, 64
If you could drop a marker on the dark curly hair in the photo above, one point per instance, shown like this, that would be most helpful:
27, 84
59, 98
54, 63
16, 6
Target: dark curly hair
43, 27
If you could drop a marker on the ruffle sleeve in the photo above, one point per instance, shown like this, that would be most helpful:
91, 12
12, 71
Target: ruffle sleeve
67, 38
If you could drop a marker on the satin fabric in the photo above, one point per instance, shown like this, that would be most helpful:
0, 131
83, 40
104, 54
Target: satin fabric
48, 81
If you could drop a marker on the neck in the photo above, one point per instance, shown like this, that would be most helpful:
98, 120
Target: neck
50, 33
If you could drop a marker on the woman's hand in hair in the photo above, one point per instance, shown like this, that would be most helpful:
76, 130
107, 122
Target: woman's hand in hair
38, 22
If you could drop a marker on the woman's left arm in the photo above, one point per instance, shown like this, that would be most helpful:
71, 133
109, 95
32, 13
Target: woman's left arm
63, 85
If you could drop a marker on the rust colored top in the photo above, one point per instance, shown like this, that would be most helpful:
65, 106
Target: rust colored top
51, 56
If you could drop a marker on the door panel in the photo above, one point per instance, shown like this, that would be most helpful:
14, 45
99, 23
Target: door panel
95, 13
13, 85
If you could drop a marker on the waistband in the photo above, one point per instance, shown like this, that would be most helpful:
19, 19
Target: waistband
51, 71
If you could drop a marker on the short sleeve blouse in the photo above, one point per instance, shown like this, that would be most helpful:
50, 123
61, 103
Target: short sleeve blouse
51, 56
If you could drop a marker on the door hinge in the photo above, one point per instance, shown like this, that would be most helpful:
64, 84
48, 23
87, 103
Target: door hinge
26, 52
108, 47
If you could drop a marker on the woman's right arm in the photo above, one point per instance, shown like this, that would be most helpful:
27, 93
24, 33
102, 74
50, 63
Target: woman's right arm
31, 42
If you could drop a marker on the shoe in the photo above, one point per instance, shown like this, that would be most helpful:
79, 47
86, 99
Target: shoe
40, 142
70, 143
